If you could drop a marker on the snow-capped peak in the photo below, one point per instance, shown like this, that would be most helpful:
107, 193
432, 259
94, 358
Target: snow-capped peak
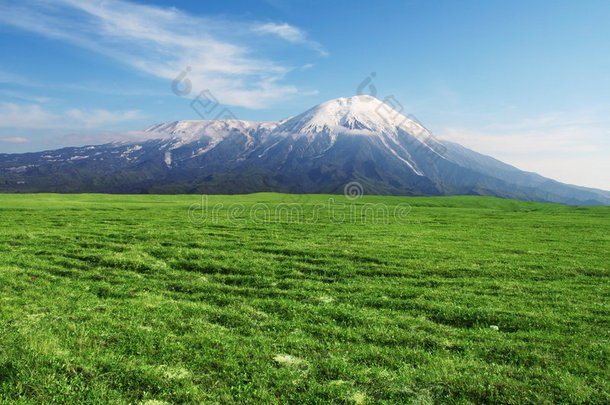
184, 132
190, 130
362, 115
357, 115
352, 116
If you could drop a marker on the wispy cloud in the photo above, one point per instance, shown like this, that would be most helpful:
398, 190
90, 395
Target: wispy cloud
572, 147
33, 116
164, 41
559, 132
13, 115
13, 78
98, 138
100, 118
24, 96
291, 34
14, 140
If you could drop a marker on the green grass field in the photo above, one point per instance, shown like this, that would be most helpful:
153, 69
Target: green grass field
126, 300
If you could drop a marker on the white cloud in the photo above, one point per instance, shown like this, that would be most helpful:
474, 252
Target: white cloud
286, 31
100, 118
98, 138
14, 115
32, 116
570, 147
13, 78
163, 42
291, 34
14, 140
587, 171
23, 96
562, 140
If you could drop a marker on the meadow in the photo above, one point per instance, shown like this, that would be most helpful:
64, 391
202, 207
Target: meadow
108, 299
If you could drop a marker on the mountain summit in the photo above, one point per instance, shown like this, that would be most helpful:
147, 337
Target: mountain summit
360, 114
339, 141
357, 115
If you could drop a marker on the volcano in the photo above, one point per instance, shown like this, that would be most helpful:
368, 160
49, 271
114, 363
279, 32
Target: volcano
356, 139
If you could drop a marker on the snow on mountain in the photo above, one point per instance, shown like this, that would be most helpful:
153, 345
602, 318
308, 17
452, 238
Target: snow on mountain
190, 130
357, 115
205, 135
362, 116
358, 138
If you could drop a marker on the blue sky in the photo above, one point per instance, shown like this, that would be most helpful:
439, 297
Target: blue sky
524, 81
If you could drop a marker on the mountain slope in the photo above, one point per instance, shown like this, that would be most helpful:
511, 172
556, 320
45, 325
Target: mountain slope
319, 151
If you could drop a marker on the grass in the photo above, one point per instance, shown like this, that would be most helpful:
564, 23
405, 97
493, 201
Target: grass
123, 300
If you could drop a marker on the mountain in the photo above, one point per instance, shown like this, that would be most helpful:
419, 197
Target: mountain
319, 151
